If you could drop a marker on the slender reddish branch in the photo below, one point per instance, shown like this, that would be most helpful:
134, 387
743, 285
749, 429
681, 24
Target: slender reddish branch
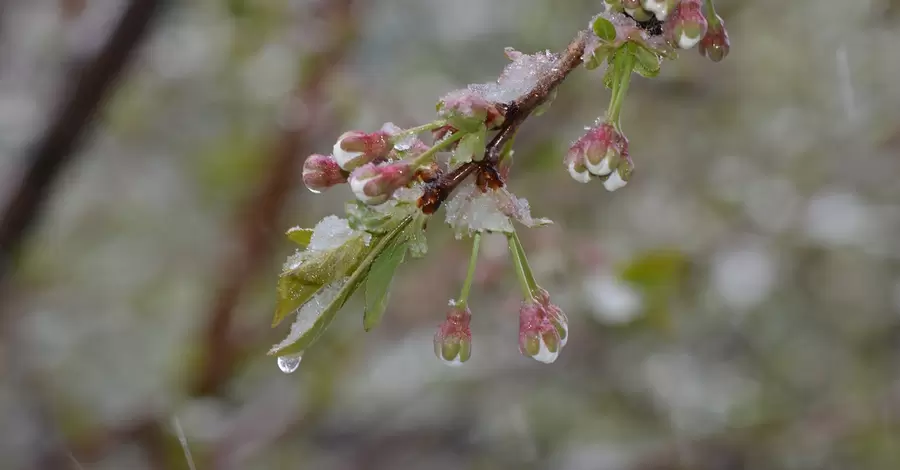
516, 113
57, 147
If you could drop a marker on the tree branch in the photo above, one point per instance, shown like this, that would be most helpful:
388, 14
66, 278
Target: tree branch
57, 146
517, 112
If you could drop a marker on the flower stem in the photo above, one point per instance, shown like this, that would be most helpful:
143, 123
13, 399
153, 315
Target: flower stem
470, 273
711, 17
419, 129
429, 154
529, 287
623, 64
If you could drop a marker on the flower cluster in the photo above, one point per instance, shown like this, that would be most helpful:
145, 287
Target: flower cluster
399, 181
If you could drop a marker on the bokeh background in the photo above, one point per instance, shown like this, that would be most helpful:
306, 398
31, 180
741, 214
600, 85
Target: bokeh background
737, 306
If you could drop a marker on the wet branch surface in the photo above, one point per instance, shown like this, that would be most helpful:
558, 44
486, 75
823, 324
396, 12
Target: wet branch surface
517, 112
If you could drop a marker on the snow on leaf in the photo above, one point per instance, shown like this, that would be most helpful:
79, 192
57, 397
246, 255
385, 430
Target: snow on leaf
471, 210
309, 314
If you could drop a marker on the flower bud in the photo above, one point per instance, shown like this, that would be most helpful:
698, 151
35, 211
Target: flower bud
556, 316
619, 178
466, 108
453, 340
715, 45
321, 172
614, 5
538, 337
374, 184
356, 148
599, 151
659, 8
687, 25
635, 10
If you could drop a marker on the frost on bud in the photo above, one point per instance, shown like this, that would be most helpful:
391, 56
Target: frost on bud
374, 184
321, 172
687, 25
356, 148
453, 340
715, 45
467, 109
538, 337
598, 152
659, 8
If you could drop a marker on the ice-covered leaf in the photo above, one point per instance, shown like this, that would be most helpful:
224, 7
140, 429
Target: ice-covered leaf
368, 218
378, 282
646, 62
311, 319
323, 267
291, 296
300, 236
418, 244
471, 210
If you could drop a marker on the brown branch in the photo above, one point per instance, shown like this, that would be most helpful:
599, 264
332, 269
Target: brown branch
58, 145
258, 223
516, 113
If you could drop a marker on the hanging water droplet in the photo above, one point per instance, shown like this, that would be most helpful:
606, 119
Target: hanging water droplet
289, 364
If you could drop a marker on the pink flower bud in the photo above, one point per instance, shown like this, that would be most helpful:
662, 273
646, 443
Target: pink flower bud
598, 152
556, 316
321, 172
687, 25
453, 340
374, 184
538, 337
356, 148
715, 45
467, 108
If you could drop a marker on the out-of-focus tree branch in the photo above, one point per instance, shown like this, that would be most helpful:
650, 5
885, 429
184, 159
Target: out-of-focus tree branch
45, 160
257, 223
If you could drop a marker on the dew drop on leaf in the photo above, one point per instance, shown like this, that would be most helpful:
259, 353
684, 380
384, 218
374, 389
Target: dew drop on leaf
289, 364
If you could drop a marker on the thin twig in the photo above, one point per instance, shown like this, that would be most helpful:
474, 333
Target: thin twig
516, 113
57, 147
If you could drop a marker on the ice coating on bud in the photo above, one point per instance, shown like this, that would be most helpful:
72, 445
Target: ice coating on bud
715, 45
659, 8
687, 25
356, 148
539, 339
598, 152
321, 172
374, 184
470, 105
453, 340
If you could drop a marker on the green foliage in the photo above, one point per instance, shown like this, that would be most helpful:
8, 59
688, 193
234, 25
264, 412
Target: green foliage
378, 282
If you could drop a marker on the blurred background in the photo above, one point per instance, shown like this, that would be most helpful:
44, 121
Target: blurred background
737, 306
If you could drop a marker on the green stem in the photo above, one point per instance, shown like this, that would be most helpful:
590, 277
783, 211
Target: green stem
470, 273
419, 129
529, 287
624, 64
711, 17
429, 154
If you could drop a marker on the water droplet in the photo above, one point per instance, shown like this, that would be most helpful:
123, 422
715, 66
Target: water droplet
289, 364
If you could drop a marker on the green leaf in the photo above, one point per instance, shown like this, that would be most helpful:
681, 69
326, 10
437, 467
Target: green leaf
378, 282
320, 268
291, 296
604, 29
377, 246
471, 147
646, 62
597, 58
300, 236
365, 218
418, 244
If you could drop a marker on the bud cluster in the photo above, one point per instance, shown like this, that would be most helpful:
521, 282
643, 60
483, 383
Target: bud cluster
601, 152
543, 329
453, 341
